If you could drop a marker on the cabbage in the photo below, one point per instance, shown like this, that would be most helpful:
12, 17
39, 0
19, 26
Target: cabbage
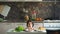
19, 28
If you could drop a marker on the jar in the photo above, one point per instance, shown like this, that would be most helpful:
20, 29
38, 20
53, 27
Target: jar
26, 17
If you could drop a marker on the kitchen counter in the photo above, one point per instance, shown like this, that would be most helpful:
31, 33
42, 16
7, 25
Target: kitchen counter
20, 21
24, 32
27, 33
4, 27
12, 21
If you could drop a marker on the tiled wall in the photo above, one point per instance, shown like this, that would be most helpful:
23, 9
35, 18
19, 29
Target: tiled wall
45, 9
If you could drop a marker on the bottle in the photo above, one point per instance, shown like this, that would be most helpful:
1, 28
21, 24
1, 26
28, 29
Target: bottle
33, 15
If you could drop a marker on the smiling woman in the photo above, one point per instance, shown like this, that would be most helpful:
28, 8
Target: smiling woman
30, 25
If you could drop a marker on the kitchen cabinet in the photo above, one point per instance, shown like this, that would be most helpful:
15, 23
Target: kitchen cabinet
4, 27
53, 31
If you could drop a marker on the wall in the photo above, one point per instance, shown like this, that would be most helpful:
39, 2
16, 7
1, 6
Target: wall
57, 11
45, 9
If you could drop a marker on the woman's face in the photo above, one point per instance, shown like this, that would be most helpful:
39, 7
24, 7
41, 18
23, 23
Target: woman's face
30, 24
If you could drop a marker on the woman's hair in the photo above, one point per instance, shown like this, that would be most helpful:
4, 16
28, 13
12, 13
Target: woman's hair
28, 23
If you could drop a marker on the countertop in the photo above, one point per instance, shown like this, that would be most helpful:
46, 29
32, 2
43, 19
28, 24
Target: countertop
27, 33
24, 32
20, 21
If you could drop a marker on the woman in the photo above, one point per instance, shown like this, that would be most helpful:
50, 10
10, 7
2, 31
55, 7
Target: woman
30, 25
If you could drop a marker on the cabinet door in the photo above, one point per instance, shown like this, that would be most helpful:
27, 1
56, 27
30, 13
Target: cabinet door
4, 27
